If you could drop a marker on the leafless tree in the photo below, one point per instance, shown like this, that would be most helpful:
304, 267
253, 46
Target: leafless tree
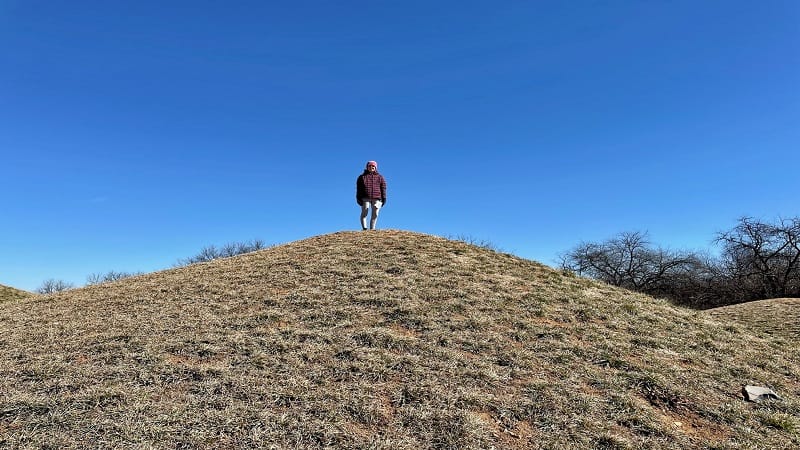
629, 260
51, 285
758, 260
762, 259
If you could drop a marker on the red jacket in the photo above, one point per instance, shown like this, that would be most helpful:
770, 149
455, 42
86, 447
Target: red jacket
371, 186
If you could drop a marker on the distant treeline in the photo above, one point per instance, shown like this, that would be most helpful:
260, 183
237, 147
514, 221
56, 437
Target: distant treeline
758, 260
209, 253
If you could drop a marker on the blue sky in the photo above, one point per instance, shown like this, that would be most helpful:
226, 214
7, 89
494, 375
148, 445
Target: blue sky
133, 134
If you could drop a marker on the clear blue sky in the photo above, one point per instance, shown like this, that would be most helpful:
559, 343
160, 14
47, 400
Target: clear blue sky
134, 133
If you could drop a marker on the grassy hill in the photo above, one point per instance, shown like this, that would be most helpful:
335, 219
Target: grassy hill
773, 319
382, 340
9, 293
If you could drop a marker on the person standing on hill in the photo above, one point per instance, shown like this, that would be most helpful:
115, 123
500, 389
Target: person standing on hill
370, 192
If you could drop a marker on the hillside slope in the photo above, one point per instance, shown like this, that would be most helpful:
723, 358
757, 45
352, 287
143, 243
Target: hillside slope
777, 318
384, 339
9, 293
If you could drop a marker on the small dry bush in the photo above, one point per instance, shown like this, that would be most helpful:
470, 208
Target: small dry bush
381, 340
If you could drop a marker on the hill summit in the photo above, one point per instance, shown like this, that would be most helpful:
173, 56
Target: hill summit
382, 339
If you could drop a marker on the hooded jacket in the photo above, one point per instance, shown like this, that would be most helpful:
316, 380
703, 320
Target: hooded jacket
371, 186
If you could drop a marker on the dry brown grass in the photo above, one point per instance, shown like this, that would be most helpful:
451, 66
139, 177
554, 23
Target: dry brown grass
382, 340
777, 318
8, 293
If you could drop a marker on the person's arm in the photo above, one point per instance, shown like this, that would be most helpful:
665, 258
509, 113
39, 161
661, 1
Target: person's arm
383, 190
359, 190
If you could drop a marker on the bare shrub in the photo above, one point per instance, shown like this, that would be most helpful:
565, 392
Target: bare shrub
211, 252
51, 286
482, 243
97, 278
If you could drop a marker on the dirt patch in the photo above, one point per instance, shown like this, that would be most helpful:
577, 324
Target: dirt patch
700, 430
